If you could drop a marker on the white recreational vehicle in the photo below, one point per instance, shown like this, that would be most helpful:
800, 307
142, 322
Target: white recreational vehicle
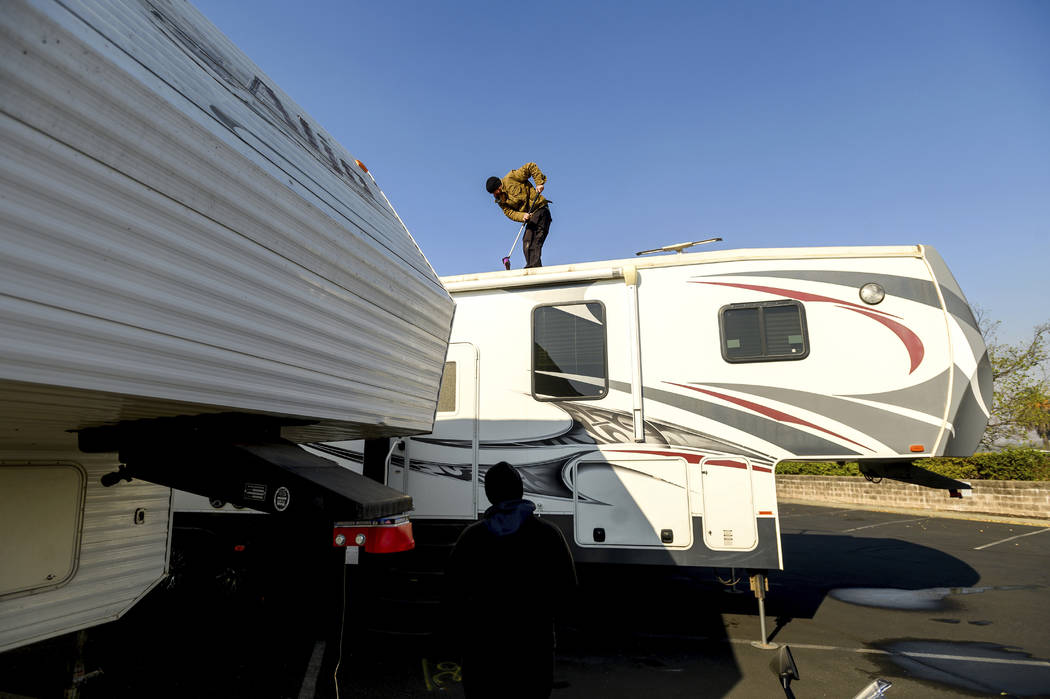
646, 402
194, 278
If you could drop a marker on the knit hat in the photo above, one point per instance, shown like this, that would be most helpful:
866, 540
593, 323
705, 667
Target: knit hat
503, 483
492, 184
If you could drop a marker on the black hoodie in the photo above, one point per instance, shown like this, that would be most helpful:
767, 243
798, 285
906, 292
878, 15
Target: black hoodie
507, 578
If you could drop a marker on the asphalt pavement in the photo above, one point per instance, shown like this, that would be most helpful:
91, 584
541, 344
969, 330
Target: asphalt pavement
938, 607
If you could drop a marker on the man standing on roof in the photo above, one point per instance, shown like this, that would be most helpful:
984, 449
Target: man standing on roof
526, 204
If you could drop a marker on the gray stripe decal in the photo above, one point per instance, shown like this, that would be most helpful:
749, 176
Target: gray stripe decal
794, 441
942, 274
926, 397
960, 309
969, 419
963, 315
984, 380
679, 436
955, 299
910, 288
973, 337
892, 429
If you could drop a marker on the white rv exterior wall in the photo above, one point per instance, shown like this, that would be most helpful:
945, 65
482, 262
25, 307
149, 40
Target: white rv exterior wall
874, 382
119, 561
168, 235
908, 357
883, 381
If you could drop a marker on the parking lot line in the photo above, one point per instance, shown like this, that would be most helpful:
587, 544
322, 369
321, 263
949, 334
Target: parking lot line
309, 686
828, 512
882, 524
866, 651
1003, 541
910, 654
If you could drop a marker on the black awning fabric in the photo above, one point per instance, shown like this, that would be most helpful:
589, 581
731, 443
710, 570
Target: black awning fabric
270, 475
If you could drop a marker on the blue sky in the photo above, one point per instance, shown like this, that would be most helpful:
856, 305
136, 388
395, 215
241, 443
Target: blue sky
764, 123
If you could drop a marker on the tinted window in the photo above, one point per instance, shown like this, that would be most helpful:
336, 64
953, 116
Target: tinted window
741, 336
568, 351
774, 330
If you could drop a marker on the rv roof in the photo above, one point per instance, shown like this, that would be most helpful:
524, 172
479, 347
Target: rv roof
606, 269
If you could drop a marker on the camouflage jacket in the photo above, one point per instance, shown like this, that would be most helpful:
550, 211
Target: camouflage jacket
518, 195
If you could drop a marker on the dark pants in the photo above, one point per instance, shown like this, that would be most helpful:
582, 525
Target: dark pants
536, 230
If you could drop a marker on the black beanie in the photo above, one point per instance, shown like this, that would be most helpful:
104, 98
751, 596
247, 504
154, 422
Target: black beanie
492, 184
503, 483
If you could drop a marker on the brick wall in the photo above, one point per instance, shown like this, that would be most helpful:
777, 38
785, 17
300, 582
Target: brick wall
1010, 498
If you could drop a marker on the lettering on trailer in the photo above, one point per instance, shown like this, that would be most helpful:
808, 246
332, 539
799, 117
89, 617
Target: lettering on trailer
266, 104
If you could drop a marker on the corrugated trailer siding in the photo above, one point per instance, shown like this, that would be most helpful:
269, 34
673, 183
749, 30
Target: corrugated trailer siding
147, 243
145, 84
79, 248
187, 40
118, 559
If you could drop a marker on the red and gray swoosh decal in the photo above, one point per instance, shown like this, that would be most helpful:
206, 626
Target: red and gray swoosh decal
696, 458
911, 341
772, 413
883, 424
794, 441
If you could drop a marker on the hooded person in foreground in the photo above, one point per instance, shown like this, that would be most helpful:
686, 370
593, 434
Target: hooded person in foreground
508, 576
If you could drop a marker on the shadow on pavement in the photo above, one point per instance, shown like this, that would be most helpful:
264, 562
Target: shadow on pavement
634, 631
624, 639
817, 564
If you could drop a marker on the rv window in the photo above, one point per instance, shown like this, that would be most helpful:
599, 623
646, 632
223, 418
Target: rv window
568, 352
447, 394
763, 332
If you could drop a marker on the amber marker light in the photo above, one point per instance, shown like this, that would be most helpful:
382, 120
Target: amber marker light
361, 165
917, 448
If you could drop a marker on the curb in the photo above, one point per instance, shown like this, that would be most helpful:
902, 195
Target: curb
947, 514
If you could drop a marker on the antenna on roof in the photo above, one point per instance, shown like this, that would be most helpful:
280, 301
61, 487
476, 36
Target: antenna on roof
678, 247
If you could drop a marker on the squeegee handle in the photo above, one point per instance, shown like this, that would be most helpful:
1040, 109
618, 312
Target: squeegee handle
515, 243
524, 223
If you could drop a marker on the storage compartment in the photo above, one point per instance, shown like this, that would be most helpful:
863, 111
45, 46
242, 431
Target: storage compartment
41, 515
729, 508
632, 502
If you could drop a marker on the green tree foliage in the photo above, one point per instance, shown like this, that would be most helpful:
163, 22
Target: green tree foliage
1024, 464
1020, 385
818, 468
1035, 412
